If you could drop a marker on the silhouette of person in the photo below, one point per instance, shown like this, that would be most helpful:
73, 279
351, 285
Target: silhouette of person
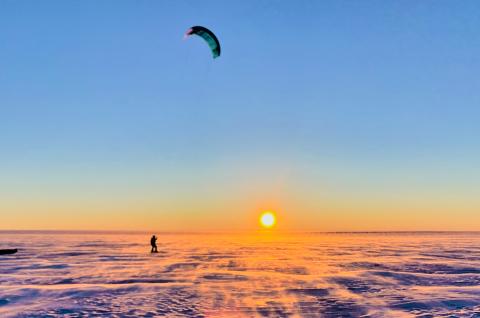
153, 242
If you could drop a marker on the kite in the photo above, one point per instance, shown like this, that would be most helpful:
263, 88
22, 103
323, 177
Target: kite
208, 36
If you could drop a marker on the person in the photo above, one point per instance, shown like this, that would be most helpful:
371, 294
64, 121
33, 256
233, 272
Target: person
153, 242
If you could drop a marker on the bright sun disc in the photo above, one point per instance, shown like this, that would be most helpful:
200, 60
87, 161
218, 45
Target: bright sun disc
267, 219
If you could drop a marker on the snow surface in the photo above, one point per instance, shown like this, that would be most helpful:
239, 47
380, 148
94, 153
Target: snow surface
240, 275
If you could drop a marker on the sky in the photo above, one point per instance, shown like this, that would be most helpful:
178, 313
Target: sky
337, 115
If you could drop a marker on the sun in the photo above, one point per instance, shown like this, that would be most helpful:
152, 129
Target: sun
267, 219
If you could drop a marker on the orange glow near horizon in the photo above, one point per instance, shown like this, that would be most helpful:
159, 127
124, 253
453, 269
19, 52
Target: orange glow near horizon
330, 212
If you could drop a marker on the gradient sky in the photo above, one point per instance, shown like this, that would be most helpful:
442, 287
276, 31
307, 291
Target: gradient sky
339, 115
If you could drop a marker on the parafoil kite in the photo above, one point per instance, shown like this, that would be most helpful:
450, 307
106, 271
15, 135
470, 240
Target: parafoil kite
208, 36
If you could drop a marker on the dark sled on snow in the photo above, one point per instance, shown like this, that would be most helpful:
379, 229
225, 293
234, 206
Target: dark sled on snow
8, 251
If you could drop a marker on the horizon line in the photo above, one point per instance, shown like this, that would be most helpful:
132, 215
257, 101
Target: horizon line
59, 231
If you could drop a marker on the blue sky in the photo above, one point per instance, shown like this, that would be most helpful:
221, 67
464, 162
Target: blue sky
312, 100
